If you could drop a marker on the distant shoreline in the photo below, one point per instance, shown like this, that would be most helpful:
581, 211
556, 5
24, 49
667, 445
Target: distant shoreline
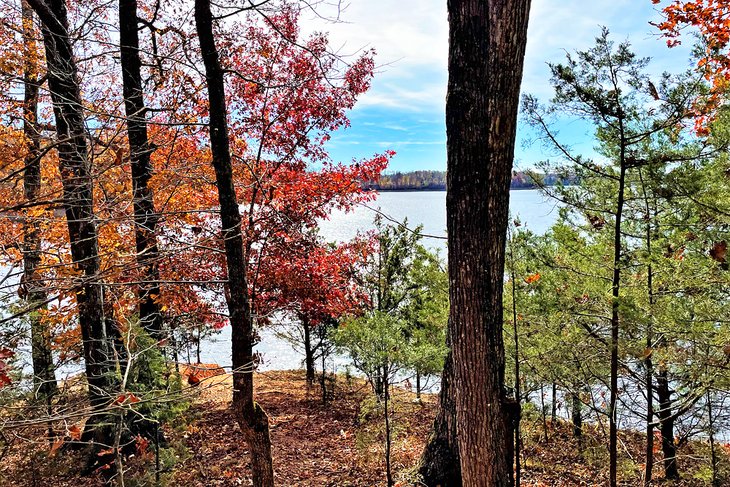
421, 190
436, 181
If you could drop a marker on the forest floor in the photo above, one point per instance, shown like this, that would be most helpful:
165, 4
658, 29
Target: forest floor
337, 444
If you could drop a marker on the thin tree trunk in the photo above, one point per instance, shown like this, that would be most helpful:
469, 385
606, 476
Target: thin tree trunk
378, 382
649, 453
118, 473
615, 322
486, 54
554, 403
197, 345
512, 418
388, 468
543, 412
145, 218
713, 451
666, 425
418, 385
252, 418
44, 377
577, 416
648, 365
323, 380
308, 351
515, 336
440, 464
78, 204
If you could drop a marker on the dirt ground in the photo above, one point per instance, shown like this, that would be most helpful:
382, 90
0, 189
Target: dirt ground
337, 444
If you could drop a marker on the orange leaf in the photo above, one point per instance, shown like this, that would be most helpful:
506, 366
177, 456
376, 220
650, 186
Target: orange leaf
74, 432
56, 445
532, 278
127, 398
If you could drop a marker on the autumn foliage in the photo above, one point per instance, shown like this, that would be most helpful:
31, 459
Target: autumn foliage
286, 95
157, 263
711, 18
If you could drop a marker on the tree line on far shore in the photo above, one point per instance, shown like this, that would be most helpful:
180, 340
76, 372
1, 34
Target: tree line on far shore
436, 180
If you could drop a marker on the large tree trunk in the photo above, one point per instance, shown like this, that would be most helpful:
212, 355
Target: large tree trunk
486, 54
440, 460
145, 219
78, 205
253, 420
44, 377
666, 425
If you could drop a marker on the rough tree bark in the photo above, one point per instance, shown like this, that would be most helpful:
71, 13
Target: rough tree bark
251, 417
32, 286
440, 460
486, 55
145, 218
79, 207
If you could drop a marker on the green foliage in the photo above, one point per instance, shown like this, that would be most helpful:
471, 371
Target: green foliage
375, 344
674, 220
388, 273
427, 312
409, 294
171, 456
154, 380
405, 328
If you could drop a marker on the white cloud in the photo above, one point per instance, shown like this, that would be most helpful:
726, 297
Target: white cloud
404, 32
411, 38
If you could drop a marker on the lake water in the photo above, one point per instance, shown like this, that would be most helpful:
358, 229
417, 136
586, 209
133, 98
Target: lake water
427, 208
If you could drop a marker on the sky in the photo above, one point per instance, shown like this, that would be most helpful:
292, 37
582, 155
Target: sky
404, 109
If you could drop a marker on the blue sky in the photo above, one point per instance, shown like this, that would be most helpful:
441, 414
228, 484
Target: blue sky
404, 110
